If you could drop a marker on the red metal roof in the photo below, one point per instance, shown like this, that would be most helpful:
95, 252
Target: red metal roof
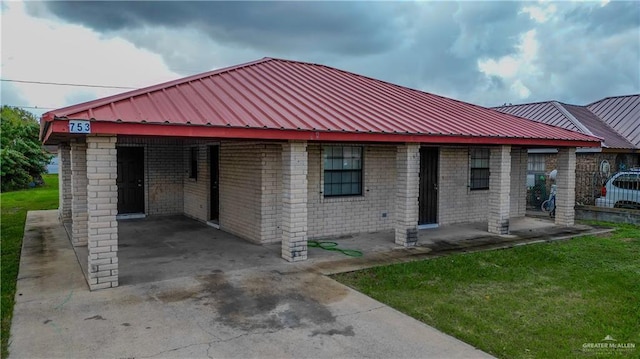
571, 117
290, 96
622, 113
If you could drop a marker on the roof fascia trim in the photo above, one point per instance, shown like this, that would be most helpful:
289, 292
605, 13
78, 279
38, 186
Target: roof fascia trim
61, 127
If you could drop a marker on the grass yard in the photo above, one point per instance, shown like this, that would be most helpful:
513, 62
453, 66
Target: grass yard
14, 213
536, 301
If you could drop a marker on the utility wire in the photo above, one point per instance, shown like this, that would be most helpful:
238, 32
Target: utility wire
67, 84
32, 107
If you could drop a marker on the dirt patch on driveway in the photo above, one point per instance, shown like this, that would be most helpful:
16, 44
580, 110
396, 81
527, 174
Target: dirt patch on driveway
270, 301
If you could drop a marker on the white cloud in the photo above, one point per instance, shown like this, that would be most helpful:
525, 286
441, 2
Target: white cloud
36, 49
540, 13
520, 89
515, 69
506, 67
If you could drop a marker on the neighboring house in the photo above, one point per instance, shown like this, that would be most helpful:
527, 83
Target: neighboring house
616, 120
283, 151
52, 166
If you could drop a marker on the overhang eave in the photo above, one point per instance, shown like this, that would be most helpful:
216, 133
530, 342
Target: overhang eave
57, 129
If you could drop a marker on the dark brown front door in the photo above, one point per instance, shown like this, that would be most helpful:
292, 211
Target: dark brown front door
214, 152
130, 180
428, 197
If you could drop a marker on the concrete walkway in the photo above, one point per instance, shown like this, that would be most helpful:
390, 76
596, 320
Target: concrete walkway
274, 309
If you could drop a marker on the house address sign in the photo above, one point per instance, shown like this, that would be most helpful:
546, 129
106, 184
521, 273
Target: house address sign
79, 126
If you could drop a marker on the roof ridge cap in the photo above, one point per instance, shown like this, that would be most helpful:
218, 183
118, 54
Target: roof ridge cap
572, 118
525, 104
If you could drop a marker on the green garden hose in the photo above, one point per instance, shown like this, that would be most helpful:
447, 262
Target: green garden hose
333, 246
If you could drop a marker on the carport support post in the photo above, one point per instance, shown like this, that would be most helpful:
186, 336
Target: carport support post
407, 188
294, 201
79, 190
64, 182
499, 189
566, 187
102, 204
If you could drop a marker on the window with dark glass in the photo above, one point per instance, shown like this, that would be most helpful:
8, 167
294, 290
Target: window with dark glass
342, 171
479, 160
193, 161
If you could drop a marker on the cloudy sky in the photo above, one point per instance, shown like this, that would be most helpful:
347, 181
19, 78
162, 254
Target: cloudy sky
488, 53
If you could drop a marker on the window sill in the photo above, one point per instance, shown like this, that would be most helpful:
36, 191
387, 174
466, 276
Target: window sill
478, 192
355, 198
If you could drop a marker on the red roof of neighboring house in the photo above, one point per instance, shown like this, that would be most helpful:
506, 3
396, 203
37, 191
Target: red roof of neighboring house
571, 117
622, 113
282, 99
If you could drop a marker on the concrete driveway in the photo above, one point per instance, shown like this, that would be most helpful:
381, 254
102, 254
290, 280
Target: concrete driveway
275, 309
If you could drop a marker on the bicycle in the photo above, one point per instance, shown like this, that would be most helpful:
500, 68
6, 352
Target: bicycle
549, 205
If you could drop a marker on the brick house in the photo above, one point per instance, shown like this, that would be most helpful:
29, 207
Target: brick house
616, 120
283, 151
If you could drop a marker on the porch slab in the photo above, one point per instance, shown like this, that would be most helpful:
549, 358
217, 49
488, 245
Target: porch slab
435, 242
168, 247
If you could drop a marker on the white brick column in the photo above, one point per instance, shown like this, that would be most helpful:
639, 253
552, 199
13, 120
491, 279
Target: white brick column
519, 159
294, 201
566, 187
79, 194
64, 182
102, 171
499, 189
407, 188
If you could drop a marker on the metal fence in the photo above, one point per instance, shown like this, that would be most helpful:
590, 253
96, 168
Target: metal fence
619, 190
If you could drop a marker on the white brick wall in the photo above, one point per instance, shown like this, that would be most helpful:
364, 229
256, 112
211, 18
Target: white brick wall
102, 208
64, 182
456, 203
406, 198
163, 174
79, 189
240, 189
566, 190
499, 190
196, 190
271, 193
347, 215
294, 201
518, 182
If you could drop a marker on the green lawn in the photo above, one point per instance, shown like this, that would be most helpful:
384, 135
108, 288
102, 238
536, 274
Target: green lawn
14, 213
536, 301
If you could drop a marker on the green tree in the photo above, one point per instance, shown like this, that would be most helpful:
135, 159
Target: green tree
23, 160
